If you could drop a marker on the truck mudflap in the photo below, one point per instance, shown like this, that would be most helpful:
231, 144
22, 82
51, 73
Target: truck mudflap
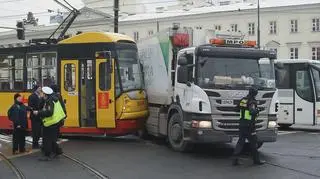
196, 135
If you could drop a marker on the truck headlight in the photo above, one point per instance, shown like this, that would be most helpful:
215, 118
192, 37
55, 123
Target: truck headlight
202, 124
272, 124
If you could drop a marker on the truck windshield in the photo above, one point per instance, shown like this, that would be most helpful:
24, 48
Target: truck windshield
129, 68
233, 73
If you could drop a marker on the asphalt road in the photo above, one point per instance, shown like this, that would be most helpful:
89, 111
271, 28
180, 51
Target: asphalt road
295, 155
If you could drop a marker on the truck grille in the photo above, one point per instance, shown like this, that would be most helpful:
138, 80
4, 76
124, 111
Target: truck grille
234, 124
225, 116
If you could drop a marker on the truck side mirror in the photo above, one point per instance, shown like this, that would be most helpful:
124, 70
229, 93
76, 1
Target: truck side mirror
182, 74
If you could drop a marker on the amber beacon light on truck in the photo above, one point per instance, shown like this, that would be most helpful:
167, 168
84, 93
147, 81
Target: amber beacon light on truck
244, 43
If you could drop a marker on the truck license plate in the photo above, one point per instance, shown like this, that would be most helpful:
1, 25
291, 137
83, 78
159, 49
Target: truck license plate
227, 102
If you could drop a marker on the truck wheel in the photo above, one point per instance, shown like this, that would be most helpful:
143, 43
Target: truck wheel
285, 126
175, 134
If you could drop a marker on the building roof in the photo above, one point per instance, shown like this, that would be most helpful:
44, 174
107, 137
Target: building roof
223, 8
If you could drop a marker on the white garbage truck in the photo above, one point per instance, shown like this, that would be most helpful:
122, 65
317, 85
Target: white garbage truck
194, 80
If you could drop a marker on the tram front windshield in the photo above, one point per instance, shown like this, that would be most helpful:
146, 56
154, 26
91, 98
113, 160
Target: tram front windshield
129, 69
233, 73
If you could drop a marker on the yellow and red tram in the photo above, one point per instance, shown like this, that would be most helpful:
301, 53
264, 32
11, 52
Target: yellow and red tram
99, 77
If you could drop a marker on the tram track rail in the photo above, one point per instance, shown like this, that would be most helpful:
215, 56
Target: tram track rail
12, 166
85, 165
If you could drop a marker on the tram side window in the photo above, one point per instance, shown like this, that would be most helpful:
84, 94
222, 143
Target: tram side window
70, 77
41, 69
11, 72
303, 85
104, 76
283, 77
48, 73
18, 73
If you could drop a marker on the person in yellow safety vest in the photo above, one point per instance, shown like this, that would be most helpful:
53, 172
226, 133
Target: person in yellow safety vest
249, 112
51, 115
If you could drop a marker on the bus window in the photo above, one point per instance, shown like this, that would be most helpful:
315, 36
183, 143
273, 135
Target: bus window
104, 76
283, 77
316, 77
303, 85
70, 77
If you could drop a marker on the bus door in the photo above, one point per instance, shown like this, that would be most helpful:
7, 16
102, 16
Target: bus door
304, 98
105, 94
69, 91
315, 69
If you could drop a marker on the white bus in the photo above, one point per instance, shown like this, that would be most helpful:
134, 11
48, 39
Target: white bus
298, 83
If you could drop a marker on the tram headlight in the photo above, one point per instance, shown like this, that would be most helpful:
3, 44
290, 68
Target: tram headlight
272, 124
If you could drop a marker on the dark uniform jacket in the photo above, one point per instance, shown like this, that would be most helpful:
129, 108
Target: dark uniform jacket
18, 115
36, 104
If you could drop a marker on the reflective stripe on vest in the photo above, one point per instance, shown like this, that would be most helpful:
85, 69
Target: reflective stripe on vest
57, 116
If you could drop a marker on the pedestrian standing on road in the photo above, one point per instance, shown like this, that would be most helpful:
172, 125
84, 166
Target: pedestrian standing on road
35, 101
51, 115
18, 115
249, 112
56, 92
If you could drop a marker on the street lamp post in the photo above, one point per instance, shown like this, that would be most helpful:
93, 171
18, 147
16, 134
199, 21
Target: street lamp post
258, 35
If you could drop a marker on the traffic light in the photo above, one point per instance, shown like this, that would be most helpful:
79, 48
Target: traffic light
20, 30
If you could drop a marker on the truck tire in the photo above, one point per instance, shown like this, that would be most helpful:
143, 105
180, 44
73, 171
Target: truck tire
175, 135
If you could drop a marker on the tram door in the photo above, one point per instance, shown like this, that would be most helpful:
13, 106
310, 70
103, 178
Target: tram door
70, 90
87, 93
105, 93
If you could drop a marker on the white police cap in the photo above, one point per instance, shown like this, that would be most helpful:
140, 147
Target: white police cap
47, 90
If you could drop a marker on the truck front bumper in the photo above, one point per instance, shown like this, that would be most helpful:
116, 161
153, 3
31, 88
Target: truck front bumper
196, 135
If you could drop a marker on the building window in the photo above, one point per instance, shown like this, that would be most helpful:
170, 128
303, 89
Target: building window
315, 53
316, 25
217, 27
273, 27
224, 3
275, 50
294, 26
150, 32
251, 30
294, 53
234, 27
136, 36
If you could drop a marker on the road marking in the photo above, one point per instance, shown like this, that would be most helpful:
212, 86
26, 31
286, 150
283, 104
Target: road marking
287, 132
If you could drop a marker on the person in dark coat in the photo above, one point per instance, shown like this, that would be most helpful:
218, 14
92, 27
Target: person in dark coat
18, 115
36, 102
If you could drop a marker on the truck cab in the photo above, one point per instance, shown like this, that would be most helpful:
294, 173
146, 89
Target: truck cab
208, 82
